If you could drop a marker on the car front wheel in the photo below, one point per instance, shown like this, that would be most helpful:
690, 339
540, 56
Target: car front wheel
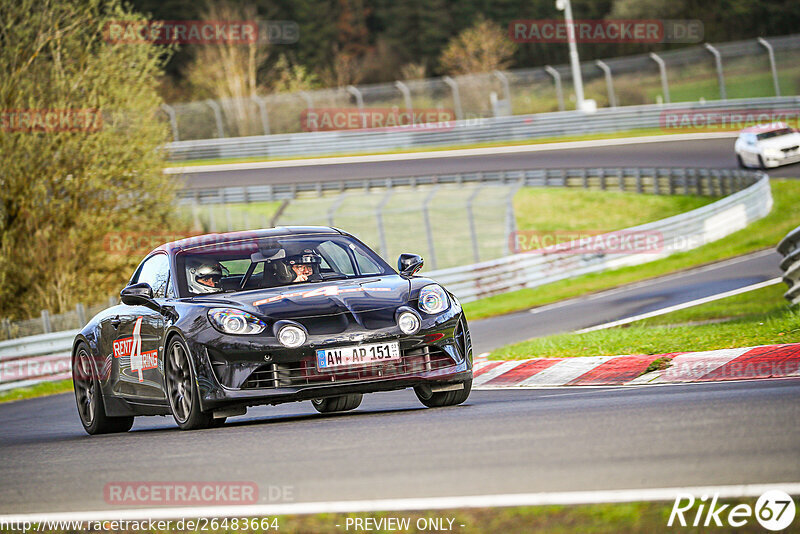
443, 398
184, 399
341, 403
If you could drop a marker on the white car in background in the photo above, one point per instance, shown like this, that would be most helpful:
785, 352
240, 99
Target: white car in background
767, 145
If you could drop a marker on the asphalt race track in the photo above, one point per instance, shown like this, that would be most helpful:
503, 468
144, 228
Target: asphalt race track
498, 442
713, 153
508, 441
624, 302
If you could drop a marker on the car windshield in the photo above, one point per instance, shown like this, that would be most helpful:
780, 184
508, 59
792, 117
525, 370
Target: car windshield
255, 263
774, 133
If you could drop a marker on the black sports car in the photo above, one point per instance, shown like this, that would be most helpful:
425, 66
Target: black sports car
213, 324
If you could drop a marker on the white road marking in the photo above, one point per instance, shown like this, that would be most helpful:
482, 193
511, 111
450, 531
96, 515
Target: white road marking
659, 279
456, 153
682, 306
565, 498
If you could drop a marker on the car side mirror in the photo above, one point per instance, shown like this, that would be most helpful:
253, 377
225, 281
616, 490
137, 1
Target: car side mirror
140, 294
408, 264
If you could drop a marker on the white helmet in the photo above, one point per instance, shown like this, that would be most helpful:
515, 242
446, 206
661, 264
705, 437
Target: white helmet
205, 270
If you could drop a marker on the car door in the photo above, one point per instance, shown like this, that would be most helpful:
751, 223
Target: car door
138, 351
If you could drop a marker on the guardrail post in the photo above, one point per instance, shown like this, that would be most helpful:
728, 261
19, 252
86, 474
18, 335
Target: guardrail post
353, 90
81, 311
379, 219
557, 79
506, 88
217, 116
7, 328
335, 206
427, 219
456, 96
662, 69
406, 96
112, 301
46, 326
612, 97
763, 42
262, 109
472, 230
511, 222
173, 120
720, 75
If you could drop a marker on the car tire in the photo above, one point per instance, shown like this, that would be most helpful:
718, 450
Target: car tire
761, 164
443, 398
89, 397
181, 387
341, 403
741, 161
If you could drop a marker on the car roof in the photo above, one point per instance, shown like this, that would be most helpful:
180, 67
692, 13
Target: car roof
279, 231
761, 128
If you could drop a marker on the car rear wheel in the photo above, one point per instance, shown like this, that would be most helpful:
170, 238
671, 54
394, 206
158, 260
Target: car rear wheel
443, 398
741, 161
341, 403
89, 398
184, 399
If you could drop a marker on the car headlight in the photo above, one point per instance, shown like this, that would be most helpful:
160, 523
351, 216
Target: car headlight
291, 336
433, 299
233, 321
408, 322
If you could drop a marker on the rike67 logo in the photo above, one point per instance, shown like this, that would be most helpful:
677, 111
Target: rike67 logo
131, 347
774, 510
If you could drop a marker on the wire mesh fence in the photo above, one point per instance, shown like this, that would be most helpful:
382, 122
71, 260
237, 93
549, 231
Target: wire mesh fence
746, 69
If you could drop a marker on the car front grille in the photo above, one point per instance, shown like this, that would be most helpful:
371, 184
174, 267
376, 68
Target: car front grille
304, 373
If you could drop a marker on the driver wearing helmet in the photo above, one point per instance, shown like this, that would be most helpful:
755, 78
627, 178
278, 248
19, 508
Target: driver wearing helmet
302, 265
203, 276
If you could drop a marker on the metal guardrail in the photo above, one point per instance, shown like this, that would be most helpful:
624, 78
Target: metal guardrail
515, 128
789, 248
34, 359
647, 180
26, 361
679, 233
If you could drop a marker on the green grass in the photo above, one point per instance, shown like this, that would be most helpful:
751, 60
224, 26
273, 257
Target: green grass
39, 390
758, 317
762, 234
548, 209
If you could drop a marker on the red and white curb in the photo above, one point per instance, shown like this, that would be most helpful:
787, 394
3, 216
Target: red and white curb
768, 361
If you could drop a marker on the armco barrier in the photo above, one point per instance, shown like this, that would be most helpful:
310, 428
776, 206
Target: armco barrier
789, 248
498, 129
33, 359
681, 232
30, 360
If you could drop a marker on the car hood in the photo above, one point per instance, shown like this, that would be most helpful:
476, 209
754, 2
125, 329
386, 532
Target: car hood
356, 296
783, 141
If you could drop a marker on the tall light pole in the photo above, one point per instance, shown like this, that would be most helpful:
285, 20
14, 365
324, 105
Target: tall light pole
566, 7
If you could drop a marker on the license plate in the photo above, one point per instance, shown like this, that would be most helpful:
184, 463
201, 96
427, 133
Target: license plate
357, 355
